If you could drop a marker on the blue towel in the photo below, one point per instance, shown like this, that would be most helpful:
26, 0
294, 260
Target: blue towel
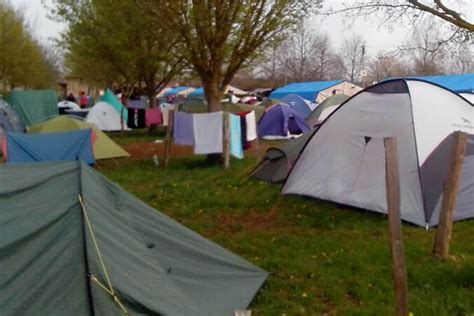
183, 129
236, 149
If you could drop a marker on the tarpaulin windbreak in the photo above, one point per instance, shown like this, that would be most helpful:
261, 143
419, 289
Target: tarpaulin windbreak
152, 264
77, 145
34, 106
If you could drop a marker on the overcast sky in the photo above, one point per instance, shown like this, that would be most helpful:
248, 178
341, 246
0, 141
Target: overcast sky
376, 38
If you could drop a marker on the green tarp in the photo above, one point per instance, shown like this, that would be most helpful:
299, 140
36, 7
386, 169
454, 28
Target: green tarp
34, 106
49, 261
111, 99
104, 147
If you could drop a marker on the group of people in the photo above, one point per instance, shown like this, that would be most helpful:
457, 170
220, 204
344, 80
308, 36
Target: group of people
82, 100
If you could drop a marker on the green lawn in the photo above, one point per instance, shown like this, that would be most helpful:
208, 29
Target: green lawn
323, 258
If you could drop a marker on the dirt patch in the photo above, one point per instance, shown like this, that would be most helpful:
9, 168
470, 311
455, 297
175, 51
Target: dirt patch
146, 150
249, 222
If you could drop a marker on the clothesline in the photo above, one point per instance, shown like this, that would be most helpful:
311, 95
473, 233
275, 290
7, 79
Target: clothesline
211, 133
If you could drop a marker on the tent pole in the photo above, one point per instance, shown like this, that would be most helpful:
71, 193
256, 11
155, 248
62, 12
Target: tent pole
392, 178
448, 204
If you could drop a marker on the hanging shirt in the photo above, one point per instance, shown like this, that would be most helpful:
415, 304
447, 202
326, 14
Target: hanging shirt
183, 132
236, 148
208, 133
251, 126
136, 118
153, 116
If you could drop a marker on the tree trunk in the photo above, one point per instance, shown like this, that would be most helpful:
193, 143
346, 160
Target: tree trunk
213, 97
151, 94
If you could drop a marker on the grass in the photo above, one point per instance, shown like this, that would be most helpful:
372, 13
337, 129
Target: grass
323, 258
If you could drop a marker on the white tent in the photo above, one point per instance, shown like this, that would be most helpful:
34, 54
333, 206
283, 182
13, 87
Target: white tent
468, 96
105, 117
344, 160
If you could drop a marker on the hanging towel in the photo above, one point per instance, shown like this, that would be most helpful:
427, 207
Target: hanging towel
243, 128
236, 148
208, 133
165, 114
153, 116
183, 132
251, 126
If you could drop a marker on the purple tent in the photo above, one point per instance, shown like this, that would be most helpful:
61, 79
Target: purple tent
298, 103
281, 121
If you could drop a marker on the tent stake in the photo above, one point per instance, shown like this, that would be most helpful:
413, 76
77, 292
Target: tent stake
392, 179
448, 204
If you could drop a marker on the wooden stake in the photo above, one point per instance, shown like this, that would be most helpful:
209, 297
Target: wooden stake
450, 192
168, 138
396, 239
226, 141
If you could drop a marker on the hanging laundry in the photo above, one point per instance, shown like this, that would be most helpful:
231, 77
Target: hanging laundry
136, 118
243, 127
153, 116
236, 148
208, 133
165, 113
183, 132
251, 126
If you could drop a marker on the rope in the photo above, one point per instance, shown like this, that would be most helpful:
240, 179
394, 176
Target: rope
108, 289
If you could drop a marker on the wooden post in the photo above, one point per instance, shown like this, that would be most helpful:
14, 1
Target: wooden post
392, 180
226, 141
168, 138
448, 204
122, 116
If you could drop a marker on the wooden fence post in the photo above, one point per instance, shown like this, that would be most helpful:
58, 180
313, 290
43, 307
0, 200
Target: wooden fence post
226, 141
392, 179
448, 204
168, 138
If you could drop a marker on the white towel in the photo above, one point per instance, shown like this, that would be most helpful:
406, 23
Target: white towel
251, 126
208, 133
165, 114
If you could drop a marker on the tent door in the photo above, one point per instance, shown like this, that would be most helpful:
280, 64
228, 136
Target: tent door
368, 182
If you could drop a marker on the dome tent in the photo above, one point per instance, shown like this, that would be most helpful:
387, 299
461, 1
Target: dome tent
9, 121
105, 117
351, 168
280, 122
298, 103
334, 101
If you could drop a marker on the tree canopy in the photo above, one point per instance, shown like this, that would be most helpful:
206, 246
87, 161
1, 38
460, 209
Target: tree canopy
23, 61
115, 42
219, 37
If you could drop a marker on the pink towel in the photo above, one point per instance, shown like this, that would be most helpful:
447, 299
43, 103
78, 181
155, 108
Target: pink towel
153, 116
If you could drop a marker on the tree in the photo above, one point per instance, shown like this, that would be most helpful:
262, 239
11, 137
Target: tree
115, 42
23, 61
393, 10
387, 65
426, 50
353, 58
221, 36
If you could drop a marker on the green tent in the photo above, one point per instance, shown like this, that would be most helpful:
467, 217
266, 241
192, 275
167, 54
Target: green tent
277, 162
334, 100
111, 99
104, 147
34, 106
74, 243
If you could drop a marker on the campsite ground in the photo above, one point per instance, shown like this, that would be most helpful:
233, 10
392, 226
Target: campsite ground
323, 258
